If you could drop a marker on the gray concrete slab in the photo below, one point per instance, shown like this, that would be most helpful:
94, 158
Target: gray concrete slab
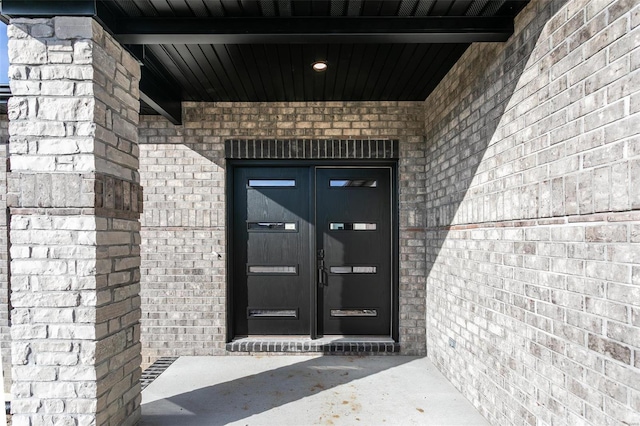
304, 390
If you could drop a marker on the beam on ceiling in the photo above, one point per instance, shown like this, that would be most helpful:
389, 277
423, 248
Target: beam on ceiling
157, 88
304, 30
48, 8
171, 110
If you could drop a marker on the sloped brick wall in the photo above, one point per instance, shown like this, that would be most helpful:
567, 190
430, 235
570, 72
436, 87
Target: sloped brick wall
533, 214
183, 173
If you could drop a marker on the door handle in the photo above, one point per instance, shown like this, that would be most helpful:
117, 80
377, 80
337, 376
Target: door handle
321, 280
321, 275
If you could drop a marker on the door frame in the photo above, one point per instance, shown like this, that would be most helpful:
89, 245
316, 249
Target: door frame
395, 236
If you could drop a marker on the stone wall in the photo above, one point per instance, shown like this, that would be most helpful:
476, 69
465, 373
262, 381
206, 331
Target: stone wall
5, 338
74, 194
533, 218
183, 172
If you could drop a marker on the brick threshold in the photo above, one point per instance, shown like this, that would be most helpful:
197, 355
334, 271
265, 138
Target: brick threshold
328, 345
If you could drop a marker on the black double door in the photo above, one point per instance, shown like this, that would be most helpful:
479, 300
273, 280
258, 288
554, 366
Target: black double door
312, 251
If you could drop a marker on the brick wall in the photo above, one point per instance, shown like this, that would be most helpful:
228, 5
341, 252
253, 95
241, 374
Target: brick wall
533, 216
519, 212
182, 171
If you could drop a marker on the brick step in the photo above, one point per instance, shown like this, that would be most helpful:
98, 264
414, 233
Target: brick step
328, 345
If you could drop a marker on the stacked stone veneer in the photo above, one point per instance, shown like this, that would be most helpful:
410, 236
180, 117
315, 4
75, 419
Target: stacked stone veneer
183, 226
74, 198
533, 218
5, 337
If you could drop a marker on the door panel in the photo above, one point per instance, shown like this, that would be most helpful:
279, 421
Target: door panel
278, 287
271, 263
353, 222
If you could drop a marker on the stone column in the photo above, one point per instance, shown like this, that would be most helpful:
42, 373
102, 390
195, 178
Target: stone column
5, 335
74, 198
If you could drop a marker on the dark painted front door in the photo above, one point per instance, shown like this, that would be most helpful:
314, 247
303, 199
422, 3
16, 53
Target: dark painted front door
312, 251
271, 289
353, 225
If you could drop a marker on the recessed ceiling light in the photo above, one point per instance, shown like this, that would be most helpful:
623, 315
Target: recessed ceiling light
319, 66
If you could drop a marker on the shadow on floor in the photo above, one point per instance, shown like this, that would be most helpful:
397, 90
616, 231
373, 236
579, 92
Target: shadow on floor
320, 390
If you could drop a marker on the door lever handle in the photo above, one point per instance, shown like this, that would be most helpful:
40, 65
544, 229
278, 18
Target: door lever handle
321, 275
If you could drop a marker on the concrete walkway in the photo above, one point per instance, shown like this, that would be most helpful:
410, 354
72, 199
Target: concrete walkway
304, 390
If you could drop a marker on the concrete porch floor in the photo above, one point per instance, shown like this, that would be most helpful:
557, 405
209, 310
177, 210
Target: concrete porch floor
304, 390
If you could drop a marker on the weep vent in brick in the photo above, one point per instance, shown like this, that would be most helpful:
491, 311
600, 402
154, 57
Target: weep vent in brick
312, 149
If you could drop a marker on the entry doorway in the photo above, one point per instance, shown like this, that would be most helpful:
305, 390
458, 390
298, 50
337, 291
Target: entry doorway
313, 251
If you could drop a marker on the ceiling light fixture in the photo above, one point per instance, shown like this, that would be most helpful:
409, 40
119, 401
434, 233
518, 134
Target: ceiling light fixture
319, 66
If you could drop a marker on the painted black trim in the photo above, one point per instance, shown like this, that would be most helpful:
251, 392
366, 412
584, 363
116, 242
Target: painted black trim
314, 29
323, 162
48, 8
231, 164
229, 244
313, 258
157, 88
395, 254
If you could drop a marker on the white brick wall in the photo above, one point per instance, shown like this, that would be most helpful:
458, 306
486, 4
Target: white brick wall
533, 217
183, 233
182, 170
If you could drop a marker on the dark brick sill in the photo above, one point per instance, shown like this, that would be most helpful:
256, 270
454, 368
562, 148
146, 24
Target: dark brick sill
342, 346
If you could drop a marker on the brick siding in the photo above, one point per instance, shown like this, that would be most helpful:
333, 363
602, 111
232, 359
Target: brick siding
519, 199
182, 171
532, 218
